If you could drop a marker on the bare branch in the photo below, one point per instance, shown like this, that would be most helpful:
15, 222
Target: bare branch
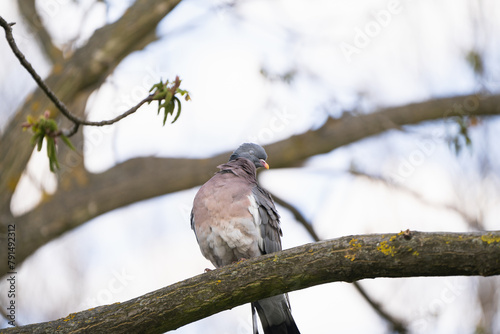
397, 325
350, 258
298, 216
27, 65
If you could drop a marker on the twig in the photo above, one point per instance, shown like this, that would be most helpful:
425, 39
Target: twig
22, 59
51, 95
298, 216
397, 325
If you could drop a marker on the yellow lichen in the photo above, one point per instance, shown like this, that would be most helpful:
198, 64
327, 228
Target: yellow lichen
386, 249
69, 317
350, 257
489, 238
355, 245
415, 253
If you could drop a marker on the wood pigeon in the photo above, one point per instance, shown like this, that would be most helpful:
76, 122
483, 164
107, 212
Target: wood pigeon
233, 218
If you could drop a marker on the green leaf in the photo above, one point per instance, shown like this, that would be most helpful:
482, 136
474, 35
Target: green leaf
165, 94
52, 154
50, 125
34, 138
178, 109
169, 110
168, 97
184, 92
41, 134
68, 142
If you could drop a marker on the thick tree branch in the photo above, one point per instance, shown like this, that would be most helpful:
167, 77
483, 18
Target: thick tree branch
337, 132
351, 258
143, 178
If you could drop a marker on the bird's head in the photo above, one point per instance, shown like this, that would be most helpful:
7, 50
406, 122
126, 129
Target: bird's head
252, 152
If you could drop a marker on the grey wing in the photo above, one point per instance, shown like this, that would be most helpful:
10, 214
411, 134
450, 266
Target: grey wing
270, 221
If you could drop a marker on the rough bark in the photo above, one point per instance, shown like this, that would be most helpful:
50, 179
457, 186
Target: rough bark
85, 196
350, 258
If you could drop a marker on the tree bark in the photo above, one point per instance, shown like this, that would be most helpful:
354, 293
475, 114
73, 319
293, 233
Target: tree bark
350, 258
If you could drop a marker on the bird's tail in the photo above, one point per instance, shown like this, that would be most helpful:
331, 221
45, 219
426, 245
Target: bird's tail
275, 316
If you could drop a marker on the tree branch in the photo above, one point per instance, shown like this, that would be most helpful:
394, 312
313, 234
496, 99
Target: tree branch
298, 216
350, 258
60, 105
337, 132
27, 65
397, 325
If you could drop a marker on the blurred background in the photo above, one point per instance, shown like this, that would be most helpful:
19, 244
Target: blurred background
259, 71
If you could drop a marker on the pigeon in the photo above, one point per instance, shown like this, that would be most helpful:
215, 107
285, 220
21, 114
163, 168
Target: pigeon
233, 218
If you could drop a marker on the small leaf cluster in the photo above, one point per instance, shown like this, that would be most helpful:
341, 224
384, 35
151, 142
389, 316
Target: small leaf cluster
46, 128
165, 94
462, 138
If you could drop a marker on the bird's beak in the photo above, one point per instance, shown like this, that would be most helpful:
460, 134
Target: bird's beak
264, 164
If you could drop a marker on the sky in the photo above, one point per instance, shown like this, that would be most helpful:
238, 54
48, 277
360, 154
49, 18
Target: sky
346, 56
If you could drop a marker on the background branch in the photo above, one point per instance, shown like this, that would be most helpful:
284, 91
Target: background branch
27, 8
471, 221
347, 259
